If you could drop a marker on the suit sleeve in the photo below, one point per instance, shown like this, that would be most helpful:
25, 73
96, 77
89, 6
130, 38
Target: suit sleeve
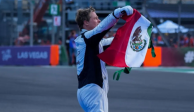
93, 37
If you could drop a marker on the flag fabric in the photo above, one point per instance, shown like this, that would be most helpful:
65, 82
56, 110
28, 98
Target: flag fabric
131, 42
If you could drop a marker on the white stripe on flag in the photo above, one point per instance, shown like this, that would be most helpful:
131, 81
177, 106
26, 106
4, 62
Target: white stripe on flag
134, 58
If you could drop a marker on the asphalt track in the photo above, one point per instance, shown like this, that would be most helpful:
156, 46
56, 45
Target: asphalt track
53, 89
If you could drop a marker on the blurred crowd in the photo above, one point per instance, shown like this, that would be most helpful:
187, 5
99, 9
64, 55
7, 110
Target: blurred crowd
186, 40
23, 40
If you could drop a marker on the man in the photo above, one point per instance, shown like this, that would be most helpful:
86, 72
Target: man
91, 71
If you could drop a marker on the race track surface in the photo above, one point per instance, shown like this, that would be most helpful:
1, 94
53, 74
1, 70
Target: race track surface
53, 89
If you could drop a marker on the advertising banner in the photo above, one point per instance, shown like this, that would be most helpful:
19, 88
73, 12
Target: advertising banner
177, 57
153, 61
25, 55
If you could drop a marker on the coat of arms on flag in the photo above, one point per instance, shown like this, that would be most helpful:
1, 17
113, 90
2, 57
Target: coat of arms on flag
130, 44
137, 43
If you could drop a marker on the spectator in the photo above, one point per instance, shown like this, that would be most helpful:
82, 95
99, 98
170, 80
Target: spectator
72, 47
174, 41
26, 40
20, 40
160, 41
154, 39
48, 42
181, 44
35, 40
186, 41
60, 41
191, 41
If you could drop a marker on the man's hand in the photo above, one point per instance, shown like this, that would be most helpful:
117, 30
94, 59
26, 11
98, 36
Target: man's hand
119, 12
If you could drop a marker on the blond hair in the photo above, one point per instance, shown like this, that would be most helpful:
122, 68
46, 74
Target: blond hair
83, 15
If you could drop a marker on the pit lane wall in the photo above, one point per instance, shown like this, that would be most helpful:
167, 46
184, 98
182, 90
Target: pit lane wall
170, 57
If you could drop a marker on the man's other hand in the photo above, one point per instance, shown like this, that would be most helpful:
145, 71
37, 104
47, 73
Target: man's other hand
119, 12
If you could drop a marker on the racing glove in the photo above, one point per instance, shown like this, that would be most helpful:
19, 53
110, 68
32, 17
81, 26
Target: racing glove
119, 12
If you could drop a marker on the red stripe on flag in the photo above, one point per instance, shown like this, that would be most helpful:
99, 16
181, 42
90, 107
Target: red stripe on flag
115, 54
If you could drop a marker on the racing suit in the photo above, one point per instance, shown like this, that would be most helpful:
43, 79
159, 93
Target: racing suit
91, 72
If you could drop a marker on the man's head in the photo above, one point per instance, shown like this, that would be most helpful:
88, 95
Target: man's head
87, 18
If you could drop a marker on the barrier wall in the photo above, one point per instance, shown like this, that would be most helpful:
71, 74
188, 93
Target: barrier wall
150, 61
170, 57
26, 55
177, 57
52, 55
54, 59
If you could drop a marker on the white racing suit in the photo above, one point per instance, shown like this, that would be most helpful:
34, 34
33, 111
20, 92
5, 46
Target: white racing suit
92, 74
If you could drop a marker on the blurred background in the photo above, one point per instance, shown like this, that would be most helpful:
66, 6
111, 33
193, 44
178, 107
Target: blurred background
40, 23
38, 67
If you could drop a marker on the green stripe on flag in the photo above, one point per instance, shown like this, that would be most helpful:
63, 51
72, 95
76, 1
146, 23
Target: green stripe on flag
149, 30
126, 70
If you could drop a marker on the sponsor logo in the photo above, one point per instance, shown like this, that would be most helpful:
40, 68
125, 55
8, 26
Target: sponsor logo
137, 43
6, 55
32, 55
189, 57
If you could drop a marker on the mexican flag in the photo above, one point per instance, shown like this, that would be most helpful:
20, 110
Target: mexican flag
130, 44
